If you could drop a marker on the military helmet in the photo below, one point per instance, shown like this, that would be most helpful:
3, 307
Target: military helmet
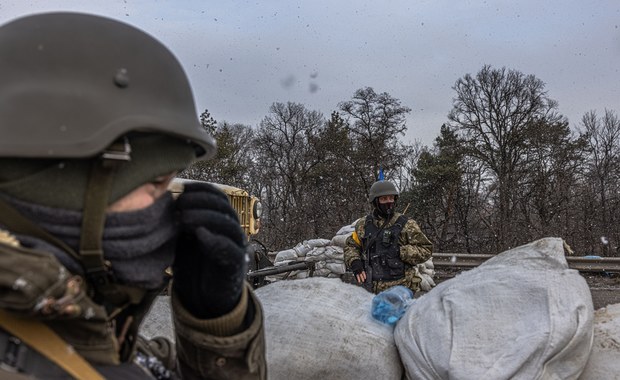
71, 84
381, 188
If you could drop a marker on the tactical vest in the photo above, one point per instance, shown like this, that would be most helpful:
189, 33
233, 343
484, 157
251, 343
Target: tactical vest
383, 249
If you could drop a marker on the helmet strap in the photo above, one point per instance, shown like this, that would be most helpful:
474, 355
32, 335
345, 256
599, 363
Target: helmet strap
97, 271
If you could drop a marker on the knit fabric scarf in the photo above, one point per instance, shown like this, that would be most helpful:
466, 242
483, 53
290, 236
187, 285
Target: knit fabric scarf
139, 244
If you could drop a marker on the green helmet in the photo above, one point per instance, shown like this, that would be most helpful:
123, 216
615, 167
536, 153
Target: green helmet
381, 188
71, 84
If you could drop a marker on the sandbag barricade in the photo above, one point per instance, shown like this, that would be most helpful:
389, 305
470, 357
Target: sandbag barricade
521, 315
320, 328
328, 259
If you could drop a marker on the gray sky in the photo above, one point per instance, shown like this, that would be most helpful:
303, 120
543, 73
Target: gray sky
241, 56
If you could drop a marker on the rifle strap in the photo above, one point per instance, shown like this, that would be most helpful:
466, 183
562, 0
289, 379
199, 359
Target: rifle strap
45, 341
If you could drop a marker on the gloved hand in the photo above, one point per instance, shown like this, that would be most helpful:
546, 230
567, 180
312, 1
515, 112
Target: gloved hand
357, 266
210, 263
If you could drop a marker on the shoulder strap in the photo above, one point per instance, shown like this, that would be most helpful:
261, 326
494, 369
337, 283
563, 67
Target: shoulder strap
401, 221
45, 341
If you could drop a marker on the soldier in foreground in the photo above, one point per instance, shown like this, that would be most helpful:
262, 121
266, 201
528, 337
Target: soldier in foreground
96, 117
386, 246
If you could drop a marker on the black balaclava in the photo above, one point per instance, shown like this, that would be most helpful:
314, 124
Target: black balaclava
385, 210
139, 245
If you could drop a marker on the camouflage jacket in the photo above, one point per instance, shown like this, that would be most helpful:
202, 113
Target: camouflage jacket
414, 246
34, 286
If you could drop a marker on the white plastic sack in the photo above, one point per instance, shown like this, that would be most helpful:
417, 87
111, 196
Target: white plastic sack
317, 242
426, 281
521, 315
334, 253
286, 255
337, 268
301, 249
604, 361
316, 254
320, 328
340, 240
348, 229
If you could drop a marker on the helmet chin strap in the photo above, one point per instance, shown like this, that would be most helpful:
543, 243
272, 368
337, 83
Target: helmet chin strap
97, 271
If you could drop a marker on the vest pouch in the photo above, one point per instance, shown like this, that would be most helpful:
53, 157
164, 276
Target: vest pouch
387, 268
396, 268
27, 277
384, 249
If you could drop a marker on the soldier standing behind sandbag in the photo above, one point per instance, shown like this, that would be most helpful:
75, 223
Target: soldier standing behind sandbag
96, 117
386, 246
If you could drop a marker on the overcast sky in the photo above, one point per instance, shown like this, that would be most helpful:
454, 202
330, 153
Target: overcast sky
241, 56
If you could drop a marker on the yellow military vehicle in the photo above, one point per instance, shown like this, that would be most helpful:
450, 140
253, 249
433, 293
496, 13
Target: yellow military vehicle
248, 207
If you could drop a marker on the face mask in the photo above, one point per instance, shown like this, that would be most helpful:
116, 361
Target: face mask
139, 244
385, 209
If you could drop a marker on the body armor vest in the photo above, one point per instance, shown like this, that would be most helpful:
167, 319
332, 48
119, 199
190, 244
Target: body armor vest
383, 250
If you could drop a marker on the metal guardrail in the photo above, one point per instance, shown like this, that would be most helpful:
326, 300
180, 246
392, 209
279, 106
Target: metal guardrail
580, 263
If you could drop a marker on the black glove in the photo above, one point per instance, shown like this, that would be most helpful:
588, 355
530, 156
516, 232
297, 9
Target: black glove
210, 263
357, 266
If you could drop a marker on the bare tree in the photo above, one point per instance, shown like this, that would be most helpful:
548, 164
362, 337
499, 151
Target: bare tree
497, 112
376, 123
604, 174
233, 159
283, 149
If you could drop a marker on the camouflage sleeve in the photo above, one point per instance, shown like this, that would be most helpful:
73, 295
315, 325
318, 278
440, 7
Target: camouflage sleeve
224, 347
415, 248
353, 248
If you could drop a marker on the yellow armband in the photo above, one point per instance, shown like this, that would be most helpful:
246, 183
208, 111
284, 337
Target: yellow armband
356, 238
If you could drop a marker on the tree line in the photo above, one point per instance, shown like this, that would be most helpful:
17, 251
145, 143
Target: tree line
505, 169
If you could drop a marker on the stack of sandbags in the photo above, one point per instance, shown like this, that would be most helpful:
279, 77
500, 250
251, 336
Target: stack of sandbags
604, 361
426, 271
340, 239
521, 315
320, 328
328, 259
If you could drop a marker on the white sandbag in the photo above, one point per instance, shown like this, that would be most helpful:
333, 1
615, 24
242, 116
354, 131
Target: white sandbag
314, 243
322, 272
604, 361
337, 268
316, 254
348, 229
300, 275
340, 240
321, 328
426, 282
334, 253
521, 315
301, 249
286, 255
427, 267
428, 264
